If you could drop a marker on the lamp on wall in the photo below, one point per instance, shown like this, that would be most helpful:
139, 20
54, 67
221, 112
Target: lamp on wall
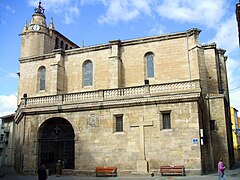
25, 99
146, 82
25, 95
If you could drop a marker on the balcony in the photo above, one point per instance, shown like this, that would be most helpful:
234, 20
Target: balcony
110, 97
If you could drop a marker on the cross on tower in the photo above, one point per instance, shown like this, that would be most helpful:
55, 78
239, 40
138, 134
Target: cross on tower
39, 8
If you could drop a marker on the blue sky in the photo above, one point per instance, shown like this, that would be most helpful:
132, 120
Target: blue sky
98, 21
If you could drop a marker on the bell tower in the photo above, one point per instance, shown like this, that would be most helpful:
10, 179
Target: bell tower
36, 37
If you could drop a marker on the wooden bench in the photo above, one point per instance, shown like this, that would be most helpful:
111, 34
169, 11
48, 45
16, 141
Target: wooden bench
172, 170
106, 171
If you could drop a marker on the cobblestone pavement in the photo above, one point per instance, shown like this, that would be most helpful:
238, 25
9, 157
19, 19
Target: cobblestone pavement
8, 173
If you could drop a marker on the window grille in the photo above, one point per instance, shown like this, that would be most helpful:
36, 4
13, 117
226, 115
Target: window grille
88, 73
150, 65
166, 121
119, 123
42, 78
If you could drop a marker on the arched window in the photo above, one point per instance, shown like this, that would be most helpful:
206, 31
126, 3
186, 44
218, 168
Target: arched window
150, 65
66, 46
88, 73
42, 78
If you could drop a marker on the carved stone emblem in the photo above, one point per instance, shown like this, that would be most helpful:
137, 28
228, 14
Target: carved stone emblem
93, 120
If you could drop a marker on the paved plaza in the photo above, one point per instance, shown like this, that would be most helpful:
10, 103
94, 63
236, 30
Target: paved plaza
234, 174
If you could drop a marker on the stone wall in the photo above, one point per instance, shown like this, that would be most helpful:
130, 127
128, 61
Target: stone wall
98, 144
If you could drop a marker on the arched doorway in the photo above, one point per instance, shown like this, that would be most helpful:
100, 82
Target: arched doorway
56, 142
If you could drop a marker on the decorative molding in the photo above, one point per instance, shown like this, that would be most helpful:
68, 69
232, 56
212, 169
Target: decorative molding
93, 121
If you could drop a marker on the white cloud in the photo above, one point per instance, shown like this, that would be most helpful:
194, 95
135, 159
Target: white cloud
124, 10
227, 38
227, 35
207, 12
70, 14
157, 30
8, 104
9, 8
69, 9
233, 70
7, 74
49, 3
234, 100
12, 75
90, 1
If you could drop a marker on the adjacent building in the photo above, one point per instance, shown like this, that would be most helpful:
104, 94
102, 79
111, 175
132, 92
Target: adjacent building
135, 104
236, 131
7, 140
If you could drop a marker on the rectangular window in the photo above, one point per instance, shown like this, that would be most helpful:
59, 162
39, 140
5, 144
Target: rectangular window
212, 125
119, 123
166, 120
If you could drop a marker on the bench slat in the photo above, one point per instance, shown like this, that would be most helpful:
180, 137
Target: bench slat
106, 171
175, 170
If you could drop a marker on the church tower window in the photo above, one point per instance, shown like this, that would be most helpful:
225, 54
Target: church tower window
150, 65
88, 73
42, 78
62, 44
56, 43
66, 47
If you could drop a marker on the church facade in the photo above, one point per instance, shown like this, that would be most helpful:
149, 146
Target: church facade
133, 104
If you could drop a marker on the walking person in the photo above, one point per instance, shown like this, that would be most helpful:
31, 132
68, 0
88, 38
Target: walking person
42, 173
58, 168
221, 169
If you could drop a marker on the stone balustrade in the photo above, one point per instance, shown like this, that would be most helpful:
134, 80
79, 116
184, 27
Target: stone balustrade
174, 87
100, 95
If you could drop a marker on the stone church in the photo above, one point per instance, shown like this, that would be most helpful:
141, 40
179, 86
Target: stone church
134, 104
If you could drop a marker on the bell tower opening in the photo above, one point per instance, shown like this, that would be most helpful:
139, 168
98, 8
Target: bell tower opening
56, 142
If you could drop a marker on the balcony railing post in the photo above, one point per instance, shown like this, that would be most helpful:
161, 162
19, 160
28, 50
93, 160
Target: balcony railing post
146, 88
101, 94
24, 102
60, 99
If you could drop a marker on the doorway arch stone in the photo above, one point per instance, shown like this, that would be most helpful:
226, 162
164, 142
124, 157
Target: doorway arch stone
56, 142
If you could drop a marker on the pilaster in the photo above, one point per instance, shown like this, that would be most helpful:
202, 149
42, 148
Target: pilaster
116, 64
57, 73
